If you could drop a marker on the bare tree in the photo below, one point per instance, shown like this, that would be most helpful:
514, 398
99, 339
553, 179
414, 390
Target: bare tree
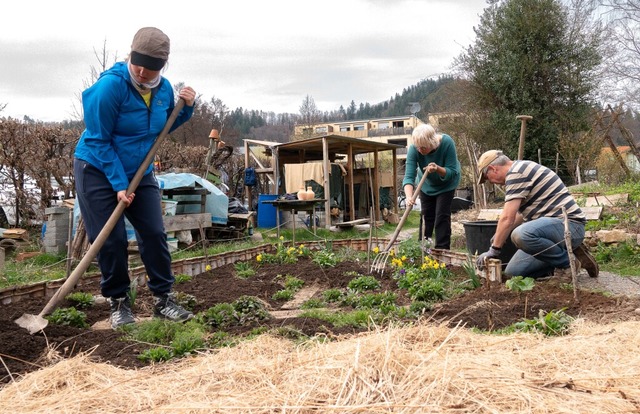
624, 65
310, 115
105, 60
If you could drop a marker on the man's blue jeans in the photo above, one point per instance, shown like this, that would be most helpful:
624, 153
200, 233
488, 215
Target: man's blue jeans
541, 247
97, 201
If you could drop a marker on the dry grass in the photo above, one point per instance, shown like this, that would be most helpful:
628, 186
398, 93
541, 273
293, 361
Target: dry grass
431, 369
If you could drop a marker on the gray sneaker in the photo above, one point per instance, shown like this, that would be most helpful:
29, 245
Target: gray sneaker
120, 312
166, 307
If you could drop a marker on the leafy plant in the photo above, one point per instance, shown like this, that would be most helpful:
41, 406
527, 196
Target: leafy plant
332, 295
220, 316
363, 283
520, 284
250, 308
185, 300
244, 270
284, 254
68, 317
553, 323
157, 354
293, 283
183, 278
312, 303
470, 270
284, 295
325, 258
81, 300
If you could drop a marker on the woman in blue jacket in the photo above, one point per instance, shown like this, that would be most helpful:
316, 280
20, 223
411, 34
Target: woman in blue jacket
124, 112
435, 155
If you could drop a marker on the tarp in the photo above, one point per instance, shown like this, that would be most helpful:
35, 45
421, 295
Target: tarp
217, 203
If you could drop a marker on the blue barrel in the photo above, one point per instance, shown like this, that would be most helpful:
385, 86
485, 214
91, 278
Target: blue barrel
266, 211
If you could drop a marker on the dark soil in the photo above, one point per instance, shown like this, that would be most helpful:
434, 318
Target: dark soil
488, 307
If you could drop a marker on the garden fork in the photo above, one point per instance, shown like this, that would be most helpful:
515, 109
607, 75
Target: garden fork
380, 261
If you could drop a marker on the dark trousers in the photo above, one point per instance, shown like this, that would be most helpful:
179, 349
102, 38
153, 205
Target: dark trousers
436, 215
97, 201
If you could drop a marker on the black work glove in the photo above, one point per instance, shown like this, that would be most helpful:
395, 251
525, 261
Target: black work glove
492, 253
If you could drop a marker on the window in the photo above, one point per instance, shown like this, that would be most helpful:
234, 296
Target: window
358, 127
345, 128
398, 124
321, 129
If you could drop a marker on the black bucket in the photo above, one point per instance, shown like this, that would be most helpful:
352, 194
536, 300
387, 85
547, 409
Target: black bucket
479, 234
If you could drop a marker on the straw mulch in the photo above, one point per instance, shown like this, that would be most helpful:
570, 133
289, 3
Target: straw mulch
430, 369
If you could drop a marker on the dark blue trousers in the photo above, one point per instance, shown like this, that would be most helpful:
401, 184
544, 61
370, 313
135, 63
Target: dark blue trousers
97, 201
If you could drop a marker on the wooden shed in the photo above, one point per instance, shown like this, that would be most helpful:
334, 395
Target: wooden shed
327, 149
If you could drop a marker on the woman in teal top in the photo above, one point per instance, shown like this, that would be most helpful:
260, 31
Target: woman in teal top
435, 154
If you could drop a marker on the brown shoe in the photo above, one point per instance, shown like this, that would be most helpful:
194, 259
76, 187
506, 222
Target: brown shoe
564, 275
588, 262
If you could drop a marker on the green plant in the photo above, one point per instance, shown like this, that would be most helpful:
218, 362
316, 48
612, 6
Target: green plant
157, 354
332, 295
520, 284
325, 258
312, 304
81, 300
244, 270
553, 323
421, 285
362, 283
183, 278
293, 283
284, 295
371, 300
220, 316
68, 317
470, 270
250, 309
282, 255
186, 341
185, 300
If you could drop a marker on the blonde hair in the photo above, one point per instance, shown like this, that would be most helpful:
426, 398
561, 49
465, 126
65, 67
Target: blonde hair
424, 135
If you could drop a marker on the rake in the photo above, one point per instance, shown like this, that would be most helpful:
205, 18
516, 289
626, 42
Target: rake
380, 261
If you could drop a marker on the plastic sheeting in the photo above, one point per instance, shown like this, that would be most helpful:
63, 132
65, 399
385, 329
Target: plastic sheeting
217, 203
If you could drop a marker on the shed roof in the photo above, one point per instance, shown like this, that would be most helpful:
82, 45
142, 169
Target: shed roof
338, 144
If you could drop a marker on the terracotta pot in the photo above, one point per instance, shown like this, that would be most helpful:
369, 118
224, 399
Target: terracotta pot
302, 193
310, 195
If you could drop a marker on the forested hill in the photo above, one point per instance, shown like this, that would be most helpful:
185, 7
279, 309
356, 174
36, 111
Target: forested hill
257, 124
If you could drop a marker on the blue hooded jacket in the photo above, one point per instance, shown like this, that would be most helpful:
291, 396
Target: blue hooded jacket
119, 127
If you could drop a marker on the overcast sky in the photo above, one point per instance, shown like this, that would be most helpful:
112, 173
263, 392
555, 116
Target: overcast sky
255, 54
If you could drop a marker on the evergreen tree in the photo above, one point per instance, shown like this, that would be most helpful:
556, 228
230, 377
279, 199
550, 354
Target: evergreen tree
531, 58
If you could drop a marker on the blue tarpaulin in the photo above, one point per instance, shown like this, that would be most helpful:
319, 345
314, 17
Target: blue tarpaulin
217, 203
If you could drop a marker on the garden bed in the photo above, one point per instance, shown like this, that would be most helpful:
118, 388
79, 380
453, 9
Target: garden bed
489, 307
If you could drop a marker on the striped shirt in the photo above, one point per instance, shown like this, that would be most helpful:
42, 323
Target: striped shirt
542, 192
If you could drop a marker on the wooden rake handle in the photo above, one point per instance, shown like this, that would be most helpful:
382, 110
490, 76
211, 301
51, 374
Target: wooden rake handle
97, 244
407, 210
